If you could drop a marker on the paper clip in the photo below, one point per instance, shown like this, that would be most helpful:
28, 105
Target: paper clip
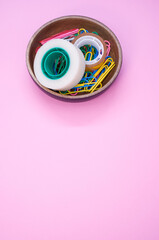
81, 30
104, 74
88, 56
108, 47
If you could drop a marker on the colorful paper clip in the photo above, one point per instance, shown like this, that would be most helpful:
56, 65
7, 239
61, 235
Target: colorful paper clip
92, 81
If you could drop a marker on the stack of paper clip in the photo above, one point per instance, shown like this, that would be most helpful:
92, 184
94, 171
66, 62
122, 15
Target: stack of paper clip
92, 81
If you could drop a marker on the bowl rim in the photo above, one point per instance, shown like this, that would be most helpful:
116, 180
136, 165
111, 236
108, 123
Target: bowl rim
70, 97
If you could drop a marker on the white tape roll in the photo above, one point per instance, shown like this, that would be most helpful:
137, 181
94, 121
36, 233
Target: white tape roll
72, 72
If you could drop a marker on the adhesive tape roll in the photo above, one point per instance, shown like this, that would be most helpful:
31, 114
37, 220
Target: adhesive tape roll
73, 67
97, 42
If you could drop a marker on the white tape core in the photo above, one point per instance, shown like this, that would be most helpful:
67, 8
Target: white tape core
95, 42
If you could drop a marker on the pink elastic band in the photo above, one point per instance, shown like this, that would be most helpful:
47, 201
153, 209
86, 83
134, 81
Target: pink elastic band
63, 34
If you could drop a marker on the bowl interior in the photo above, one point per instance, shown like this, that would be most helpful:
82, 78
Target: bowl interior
70, 22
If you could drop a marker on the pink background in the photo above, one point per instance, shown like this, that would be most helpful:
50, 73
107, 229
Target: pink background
80, 171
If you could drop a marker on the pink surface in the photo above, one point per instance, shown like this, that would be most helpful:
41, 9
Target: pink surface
84, 171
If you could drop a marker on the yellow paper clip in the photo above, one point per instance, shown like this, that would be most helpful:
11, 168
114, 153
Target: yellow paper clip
103, 75
87, 55
82, 29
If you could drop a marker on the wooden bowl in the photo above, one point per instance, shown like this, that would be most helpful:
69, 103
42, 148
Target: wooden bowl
69, 22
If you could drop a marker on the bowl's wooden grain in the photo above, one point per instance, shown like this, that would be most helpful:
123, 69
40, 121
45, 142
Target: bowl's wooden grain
68, 22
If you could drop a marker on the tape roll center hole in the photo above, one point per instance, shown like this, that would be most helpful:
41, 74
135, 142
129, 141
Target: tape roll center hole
94, 43
55, 63
90, 52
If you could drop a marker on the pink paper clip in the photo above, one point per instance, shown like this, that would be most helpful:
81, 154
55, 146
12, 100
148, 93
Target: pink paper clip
63, 34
